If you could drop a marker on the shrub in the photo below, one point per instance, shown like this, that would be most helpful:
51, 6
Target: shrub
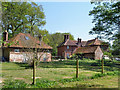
14, 84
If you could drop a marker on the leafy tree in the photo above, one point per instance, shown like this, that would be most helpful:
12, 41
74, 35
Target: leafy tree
21, 17
35, 18
106, 18
116, 47
107, 22
13, 16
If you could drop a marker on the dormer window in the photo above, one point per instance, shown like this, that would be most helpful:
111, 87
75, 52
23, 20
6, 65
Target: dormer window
27, 38
67, 47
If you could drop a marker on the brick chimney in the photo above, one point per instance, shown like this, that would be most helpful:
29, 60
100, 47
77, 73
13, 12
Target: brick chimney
40, 38
79, 42
66, 37
5, 36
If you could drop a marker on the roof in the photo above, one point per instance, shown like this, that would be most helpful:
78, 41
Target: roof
25, 40
83, 43
95, 42
72, 43
86, 49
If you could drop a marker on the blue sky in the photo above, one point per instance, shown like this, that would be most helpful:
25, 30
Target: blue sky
69, 17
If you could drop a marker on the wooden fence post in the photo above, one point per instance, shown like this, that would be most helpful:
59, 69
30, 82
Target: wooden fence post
102, 66
34, 68
77, 65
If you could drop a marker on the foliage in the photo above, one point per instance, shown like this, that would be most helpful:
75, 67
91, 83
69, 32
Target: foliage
14, 84
107, 24
116, 47
109, 54
44, 84
106, 18
104, 74
21, 17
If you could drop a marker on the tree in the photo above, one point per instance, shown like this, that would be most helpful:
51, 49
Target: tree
13, 16
36, 18
107, 19
21, 17
107, 22
24, 17
116, 47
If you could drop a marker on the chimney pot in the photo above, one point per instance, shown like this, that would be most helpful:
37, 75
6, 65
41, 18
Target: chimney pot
79, 42
40, 38
66, 37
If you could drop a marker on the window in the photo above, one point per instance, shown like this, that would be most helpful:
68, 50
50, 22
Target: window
68, 56
67, 47
27, 38
16, 50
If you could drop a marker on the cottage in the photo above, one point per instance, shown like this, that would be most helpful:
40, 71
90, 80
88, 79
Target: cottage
20, 48
91, 48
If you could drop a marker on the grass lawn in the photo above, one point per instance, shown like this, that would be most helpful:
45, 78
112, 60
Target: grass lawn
61, 74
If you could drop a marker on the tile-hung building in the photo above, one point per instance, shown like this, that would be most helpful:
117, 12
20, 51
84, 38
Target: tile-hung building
92, 49
20, 48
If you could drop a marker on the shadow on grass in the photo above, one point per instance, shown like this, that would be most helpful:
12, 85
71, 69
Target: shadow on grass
24, 65
91, 65
88, 86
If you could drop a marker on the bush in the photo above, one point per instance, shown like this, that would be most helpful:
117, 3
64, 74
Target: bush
98, 75
14, 84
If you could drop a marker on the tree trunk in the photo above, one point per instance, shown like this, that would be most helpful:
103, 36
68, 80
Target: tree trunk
77, 65
34, 68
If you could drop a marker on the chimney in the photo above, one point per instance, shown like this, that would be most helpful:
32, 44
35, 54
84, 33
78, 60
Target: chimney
96, 38
66, 37
40, 38
5, 36
79, 42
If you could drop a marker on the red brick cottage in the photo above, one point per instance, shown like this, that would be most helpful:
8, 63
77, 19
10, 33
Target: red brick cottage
92, 49
20, 48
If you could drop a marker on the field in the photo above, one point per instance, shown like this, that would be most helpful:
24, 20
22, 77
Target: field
61, 74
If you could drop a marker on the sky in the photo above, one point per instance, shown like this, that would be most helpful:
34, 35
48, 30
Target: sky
69, 17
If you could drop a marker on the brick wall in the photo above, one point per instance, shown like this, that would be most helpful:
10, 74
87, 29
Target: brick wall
23, 56
63, 51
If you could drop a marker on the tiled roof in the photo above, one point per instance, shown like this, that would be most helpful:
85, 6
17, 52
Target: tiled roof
94, 42
24, 40
85, 49
72, 43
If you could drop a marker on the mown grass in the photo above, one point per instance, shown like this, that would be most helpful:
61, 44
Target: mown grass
60, 74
